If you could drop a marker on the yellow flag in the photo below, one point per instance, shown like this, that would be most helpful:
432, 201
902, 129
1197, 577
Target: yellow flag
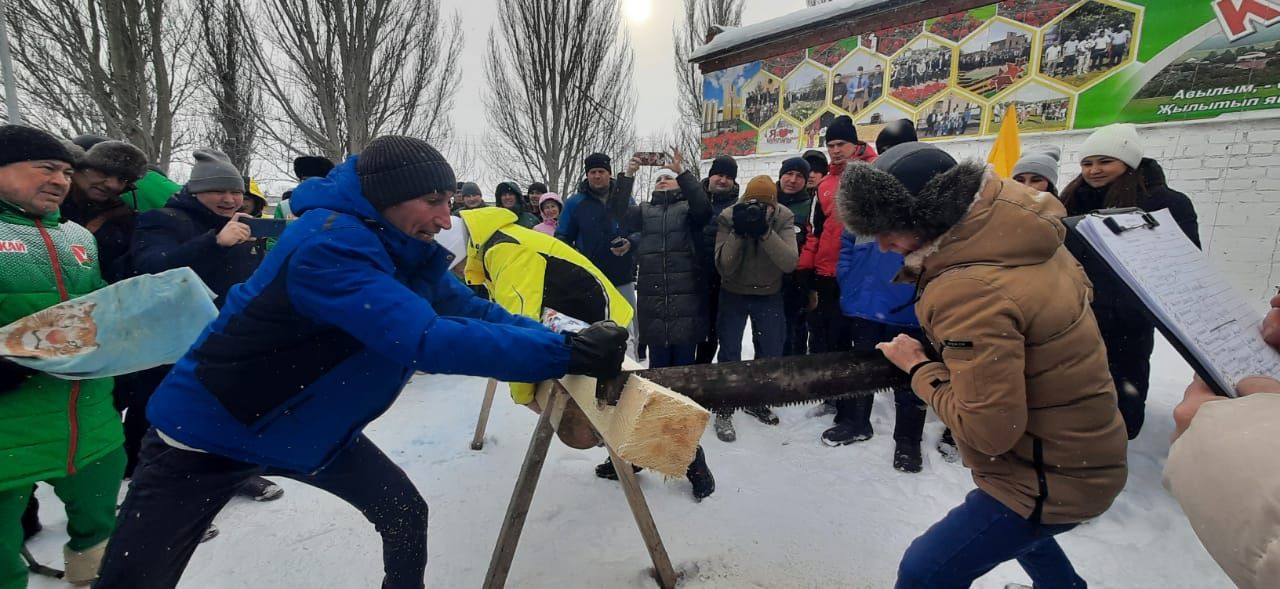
1008, 148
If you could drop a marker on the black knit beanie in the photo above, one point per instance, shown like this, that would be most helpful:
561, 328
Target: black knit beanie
311, 166
794, 164
597, 160
724, 166
817, 161
470, 189
537, 188
395, 169
896, 133
19, 143
842, 129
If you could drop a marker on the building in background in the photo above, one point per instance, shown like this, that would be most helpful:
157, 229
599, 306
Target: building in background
1201, 87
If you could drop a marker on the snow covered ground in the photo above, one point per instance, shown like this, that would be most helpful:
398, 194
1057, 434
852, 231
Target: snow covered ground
789, 512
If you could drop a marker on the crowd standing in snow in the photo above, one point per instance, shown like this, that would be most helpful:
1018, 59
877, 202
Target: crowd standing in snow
1038, 365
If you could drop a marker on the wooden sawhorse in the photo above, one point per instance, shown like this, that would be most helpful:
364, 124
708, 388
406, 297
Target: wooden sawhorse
527, 482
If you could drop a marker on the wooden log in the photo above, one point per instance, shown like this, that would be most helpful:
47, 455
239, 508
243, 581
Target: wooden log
651, 426
477, 441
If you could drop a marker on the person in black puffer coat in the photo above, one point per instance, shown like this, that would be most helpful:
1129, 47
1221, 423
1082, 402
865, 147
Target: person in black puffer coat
721, 186
670, 289
1114, 175
198, 228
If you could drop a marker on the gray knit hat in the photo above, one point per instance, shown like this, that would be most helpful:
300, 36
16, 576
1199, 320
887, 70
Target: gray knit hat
214, 172
116, 158
1042, 161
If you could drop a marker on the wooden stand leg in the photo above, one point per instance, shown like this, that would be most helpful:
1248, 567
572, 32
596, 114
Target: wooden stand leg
477, 442
522, 496
663, 571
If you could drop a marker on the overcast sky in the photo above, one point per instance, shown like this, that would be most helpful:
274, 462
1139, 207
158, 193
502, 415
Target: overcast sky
651, 40
654, 77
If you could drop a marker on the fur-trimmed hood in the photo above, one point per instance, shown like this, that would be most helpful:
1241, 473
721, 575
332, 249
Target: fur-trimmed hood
984, 219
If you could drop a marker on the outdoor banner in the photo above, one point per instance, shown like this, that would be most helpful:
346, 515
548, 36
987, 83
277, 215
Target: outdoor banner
1062, 65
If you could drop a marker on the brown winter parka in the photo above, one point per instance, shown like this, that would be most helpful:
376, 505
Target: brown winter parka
1023, 382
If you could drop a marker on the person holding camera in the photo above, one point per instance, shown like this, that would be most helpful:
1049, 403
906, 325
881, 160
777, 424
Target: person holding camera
755, 248
202, 228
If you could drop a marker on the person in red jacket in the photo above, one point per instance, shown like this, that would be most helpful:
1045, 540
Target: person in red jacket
829, 329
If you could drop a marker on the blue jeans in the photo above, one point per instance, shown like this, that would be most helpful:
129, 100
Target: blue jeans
677, 355
978, 535
768, 325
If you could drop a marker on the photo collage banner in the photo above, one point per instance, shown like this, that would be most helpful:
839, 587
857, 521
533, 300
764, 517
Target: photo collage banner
1061, 64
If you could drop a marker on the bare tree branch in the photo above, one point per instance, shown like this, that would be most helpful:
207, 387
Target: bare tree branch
342, 72
223, 66
690, 33
552, 103
101, 66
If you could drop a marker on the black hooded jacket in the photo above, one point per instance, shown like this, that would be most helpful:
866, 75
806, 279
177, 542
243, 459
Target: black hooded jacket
707, 248
671, 285
111, 224
1117, 310
184, 233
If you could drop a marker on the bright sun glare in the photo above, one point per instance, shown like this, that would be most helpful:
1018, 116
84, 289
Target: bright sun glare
638, 10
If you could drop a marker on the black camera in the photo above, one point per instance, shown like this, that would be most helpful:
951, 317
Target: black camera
751, 218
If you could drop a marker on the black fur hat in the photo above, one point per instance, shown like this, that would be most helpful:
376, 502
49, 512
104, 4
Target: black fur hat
916, 187
311, 166
116, 158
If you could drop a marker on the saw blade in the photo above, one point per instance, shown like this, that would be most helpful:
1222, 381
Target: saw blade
776, 382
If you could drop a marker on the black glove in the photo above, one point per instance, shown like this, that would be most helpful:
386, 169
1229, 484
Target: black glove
750, 219
12, 375
597, 350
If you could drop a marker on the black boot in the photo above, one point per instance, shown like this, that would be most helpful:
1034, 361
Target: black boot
853, 422
260, 489
704, 484
31, 517
763, 414
606, 470
908, 428
906, 457
947, 447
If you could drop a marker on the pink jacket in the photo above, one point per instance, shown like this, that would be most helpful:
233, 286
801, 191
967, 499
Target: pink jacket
548, 224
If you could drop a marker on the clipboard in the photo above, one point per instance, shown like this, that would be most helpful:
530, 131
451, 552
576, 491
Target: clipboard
1213, 326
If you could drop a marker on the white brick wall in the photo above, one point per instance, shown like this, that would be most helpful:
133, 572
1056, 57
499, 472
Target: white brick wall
1230, 168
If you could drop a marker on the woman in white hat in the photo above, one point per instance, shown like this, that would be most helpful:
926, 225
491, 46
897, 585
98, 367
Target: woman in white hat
1114, 174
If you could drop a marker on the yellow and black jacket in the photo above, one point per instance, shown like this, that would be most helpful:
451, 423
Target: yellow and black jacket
526, 271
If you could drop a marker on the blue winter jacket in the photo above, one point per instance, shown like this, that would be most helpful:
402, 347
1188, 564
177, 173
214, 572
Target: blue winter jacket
323, 337
590, 225
867, 290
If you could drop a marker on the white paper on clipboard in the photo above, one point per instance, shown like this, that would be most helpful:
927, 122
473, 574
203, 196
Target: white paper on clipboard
1216, 323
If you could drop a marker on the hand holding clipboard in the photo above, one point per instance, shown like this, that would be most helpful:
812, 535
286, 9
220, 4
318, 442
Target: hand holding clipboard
1213, 325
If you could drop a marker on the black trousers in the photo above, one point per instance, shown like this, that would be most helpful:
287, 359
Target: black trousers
909, 409
132, 393
1129, 351
706, 351
175, 495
